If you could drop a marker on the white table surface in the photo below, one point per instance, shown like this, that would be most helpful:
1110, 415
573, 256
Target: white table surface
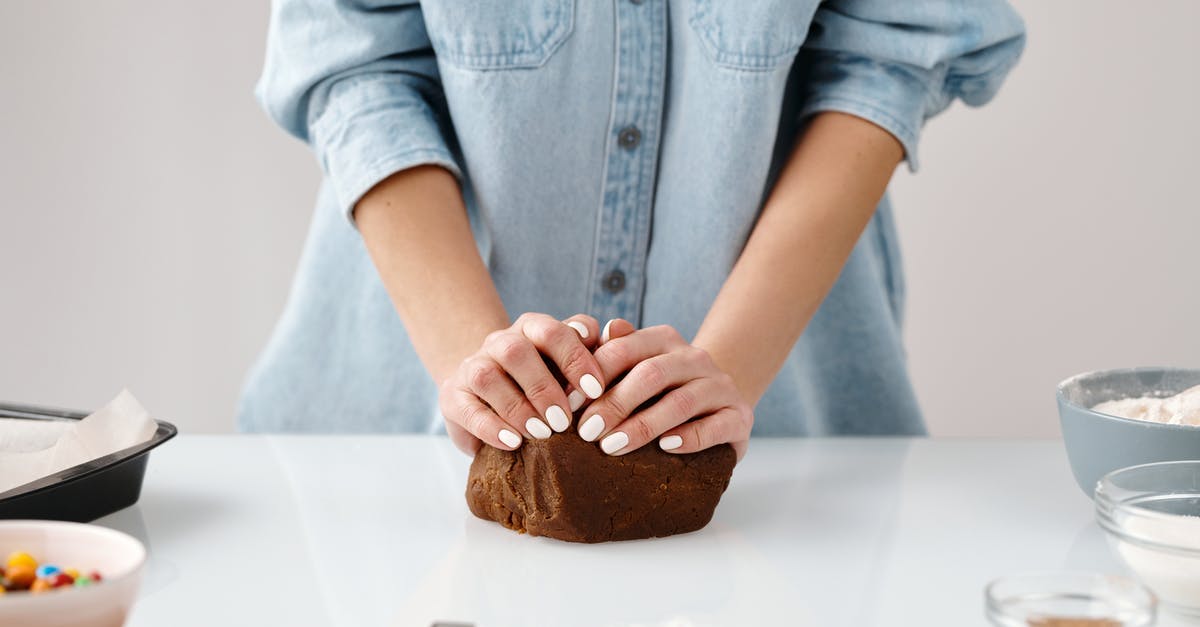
358, 531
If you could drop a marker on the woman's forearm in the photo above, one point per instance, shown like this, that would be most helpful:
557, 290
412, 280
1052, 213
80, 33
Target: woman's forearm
415, 227
811, 221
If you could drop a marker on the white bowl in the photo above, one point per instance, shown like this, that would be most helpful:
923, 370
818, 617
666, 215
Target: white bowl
117, 556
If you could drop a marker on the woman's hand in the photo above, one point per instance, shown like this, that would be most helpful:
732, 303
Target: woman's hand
670, 389
507, 391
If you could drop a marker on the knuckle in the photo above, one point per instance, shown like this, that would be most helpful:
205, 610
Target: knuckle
510, 349
614, 406
696, 356
617, 352
698, 435
669, 332
575, 359
651, 374
557, 333
494, 336
481, 374
537, 330
474, 419
542, 388
745, 420
683, 402
639, 431
586, 319
513, 408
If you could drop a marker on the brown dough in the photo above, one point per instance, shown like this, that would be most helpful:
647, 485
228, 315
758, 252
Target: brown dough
568, 489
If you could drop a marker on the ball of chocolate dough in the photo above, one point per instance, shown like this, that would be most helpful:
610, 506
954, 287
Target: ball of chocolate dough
568, 489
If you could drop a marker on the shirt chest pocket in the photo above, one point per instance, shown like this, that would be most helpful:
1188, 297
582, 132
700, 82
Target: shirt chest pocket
752, 35
497, 34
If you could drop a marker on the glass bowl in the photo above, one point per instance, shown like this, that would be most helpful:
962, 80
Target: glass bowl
1055, 599
1151, 514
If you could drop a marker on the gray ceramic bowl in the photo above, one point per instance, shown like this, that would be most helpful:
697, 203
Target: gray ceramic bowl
1098, 443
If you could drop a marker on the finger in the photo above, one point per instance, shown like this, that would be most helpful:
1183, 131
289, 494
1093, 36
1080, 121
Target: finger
696, 398
462, 438
729, 424
615, 328
509, 402
565, 349
646, 380
617, 356
587, 327
519, 359
479, 420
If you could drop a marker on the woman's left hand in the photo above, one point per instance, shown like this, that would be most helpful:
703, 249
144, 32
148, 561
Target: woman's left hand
695, 404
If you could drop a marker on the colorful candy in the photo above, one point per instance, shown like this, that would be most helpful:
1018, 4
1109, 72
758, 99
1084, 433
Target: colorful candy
21, 559
20, 576
22, 572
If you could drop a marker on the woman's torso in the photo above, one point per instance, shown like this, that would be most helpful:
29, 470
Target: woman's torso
616, 158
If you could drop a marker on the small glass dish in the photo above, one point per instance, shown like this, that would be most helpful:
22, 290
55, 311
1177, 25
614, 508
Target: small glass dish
1151, 514
1069, 599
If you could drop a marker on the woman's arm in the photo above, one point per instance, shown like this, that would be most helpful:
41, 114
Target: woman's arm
815, 214
495, 385
416, 230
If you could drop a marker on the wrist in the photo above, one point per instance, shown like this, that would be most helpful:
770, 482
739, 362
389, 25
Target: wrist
727, 358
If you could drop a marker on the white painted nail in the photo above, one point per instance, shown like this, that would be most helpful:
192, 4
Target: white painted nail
537, 428
509, 438
557, 418
575, 398
614, 442
670, 443
590, 386
604, 333
579, 327
591, 427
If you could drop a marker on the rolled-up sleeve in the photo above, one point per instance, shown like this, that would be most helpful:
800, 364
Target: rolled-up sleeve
897, 63
358, 81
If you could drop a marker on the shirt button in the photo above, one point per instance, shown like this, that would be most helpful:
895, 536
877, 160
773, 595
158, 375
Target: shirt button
614, 281
629, 137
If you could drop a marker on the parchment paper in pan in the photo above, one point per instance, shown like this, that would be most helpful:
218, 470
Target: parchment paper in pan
31, 449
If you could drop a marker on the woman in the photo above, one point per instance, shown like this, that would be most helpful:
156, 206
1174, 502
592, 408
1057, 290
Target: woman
705, 172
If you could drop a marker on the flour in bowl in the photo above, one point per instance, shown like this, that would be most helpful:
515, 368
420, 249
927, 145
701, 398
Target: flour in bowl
1181, 409
1172, 573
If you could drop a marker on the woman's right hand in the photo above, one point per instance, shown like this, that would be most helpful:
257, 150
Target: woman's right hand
507, 390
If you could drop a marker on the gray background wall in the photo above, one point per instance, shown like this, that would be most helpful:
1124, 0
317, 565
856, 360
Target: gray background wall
150, 215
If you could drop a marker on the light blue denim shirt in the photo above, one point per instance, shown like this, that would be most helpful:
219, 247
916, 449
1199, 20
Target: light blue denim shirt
614, 156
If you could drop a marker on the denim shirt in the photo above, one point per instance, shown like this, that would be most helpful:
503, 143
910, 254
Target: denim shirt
614, 157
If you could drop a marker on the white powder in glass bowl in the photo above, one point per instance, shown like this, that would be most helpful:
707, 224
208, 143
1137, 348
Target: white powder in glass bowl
1181, 409
1173, 576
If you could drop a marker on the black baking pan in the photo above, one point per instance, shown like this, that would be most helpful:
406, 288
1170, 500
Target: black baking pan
85, 492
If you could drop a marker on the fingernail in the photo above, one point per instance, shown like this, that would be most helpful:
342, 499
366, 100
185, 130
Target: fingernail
575, 399
591, 427
670, 443
579, 327
537, 428
614, 442
604, 333
557, 418
509, 438
590, 386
